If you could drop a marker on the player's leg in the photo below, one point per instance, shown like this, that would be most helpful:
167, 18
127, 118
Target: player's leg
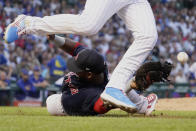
140, 20
54, 106
89, 22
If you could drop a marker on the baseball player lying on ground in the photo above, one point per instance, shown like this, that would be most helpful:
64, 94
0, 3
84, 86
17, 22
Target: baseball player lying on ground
82, 87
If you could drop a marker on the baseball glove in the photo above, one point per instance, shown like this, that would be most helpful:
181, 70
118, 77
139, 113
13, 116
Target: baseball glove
151, 72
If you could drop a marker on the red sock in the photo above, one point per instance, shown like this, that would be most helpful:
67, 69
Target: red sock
99, 107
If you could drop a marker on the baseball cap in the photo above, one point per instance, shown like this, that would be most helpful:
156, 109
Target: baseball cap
36, 68
25, 71
87, 60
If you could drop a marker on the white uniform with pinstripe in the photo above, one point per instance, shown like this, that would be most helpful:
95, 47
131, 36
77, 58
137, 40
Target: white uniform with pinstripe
136, 14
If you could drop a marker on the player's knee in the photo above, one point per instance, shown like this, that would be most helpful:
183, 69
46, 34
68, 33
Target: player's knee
153, 40
53, 105
149, 40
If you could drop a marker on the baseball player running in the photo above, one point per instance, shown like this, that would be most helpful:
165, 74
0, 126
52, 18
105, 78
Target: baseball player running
136, 14
81, 88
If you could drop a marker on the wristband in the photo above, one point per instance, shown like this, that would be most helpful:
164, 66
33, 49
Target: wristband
59, 41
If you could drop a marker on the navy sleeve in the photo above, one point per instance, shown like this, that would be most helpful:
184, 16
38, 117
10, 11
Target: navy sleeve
78, 49
106, 75
21, 85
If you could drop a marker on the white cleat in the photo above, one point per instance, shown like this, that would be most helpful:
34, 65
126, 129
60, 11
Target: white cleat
152, 100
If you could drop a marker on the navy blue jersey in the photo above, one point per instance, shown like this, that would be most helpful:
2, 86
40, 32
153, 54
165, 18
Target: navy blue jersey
78, 98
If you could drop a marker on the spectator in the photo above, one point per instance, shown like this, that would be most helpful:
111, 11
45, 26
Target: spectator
4, 94
57, 67
193, 69
4, 79
23, 65
181, 78
37, 79
3, 59
192, 75
26, 87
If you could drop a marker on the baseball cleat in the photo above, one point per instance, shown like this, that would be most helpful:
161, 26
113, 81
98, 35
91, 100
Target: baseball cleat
114, 97
15, 29
152, 100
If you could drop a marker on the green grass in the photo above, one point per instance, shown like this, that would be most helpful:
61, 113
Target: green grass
34, 119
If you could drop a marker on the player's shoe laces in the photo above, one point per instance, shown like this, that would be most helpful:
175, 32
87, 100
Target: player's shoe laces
15, 29
116, 98
152, 100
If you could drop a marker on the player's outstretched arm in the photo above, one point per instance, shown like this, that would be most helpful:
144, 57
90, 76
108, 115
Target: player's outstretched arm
66, 44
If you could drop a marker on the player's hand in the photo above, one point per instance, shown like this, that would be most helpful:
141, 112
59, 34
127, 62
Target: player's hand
50, 37
133, 84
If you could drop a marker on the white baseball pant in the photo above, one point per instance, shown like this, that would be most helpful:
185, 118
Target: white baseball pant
137, 15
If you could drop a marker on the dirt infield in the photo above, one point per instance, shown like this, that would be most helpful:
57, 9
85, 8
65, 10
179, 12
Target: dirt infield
177, 104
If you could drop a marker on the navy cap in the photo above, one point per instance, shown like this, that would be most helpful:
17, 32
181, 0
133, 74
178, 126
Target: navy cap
25, 72
87, 60
36, 68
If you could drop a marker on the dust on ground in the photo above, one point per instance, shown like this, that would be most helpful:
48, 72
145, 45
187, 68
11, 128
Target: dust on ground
177, 104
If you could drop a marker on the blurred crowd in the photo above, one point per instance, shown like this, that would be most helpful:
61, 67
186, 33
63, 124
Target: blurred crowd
34, 62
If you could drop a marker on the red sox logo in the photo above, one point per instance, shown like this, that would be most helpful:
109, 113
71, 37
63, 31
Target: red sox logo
68, 80
74, 91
